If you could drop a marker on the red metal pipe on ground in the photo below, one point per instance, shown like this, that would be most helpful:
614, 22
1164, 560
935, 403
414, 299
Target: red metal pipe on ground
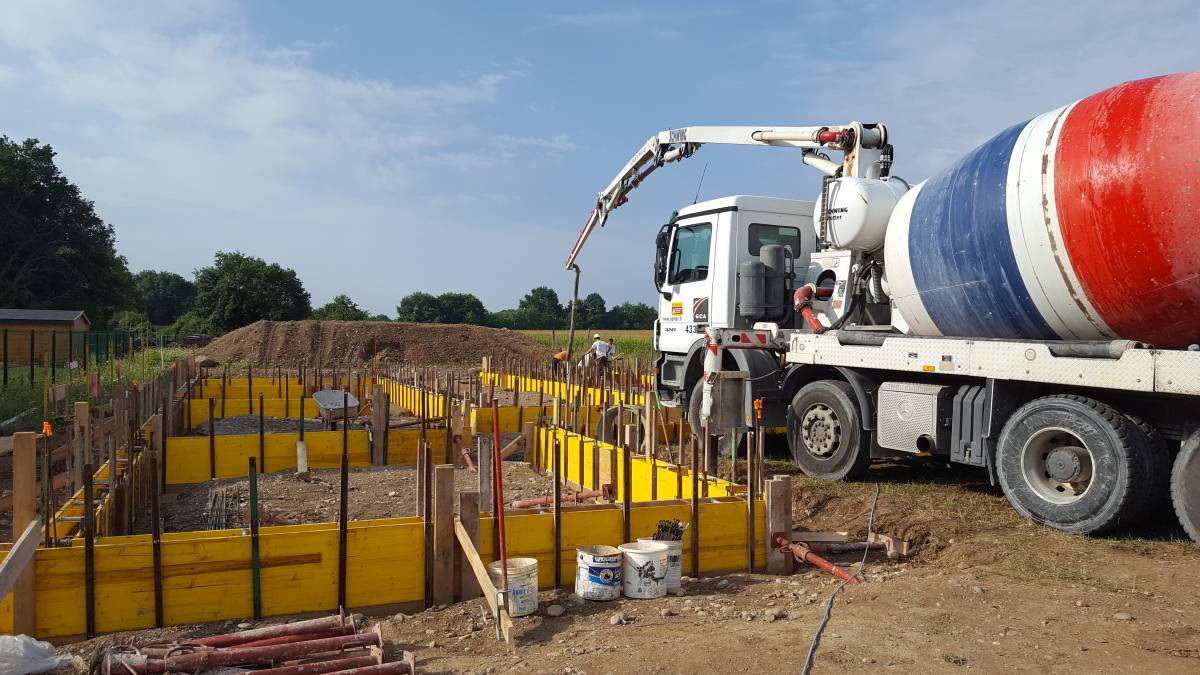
294, 628
249, 656
318, 667
285, 639
393, 668
802, 553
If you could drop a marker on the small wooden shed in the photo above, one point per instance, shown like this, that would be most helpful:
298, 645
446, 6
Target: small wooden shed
45, 330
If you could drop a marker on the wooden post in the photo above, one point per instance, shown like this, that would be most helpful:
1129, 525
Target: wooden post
468, 515
779, 519
82, 455
379, 424
626, 477
422, 458
443, 534
531, 448
25, 497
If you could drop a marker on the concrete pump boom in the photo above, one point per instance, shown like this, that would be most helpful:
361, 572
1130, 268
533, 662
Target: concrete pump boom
862, 145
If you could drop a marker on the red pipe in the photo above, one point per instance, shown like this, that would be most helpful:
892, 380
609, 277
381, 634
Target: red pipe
804, 554
498, 472
249, 656
393, 668
285, 639
803, 301
318, 667
295, 628
467, 456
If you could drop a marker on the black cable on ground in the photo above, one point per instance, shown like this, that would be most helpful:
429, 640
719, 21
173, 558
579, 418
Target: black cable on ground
812, 648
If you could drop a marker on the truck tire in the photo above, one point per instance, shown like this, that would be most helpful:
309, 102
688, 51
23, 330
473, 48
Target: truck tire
1185, 489
612, 418
1075, 464
825, 432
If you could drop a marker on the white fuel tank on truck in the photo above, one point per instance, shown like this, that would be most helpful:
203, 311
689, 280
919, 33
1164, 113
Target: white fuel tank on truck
1081, 223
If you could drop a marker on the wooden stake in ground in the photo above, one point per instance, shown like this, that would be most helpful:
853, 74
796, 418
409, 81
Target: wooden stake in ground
779, 519
443, 534
25, 498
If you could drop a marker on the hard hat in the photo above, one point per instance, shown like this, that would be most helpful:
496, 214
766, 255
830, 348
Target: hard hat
597, 336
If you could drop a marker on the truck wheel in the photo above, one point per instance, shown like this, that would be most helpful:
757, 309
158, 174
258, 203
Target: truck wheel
608, 427
1075, 464
1185, 489
825, 432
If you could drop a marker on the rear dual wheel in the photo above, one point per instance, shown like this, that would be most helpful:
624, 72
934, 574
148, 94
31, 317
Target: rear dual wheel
1076, 464
1185, 489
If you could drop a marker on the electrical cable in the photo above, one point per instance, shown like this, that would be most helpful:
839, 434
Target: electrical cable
812, 648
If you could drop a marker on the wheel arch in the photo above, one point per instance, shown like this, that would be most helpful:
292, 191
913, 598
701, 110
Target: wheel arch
861, 384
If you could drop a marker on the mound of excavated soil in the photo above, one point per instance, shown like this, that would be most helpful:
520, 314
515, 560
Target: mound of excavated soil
330, 343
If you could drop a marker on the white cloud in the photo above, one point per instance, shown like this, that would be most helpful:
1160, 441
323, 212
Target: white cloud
193, 135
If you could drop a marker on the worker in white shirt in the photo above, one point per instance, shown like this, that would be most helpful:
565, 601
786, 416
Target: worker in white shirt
602, 350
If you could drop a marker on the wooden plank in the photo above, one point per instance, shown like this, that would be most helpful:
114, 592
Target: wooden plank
443, 534
779, 519
468, 514
18, 557
511, 449
25, 501
484, 581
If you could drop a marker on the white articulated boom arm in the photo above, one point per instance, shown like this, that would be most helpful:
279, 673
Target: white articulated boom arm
675, 144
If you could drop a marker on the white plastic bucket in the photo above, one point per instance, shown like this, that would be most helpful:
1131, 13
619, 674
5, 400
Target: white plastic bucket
598, 572
674, 561
522, 584
644, 574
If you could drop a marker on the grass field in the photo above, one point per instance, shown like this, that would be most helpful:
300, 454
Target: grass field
632, 344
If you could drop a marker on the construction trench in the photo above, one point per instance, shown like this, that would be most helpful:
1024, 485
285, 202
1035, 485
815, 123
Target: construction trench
206, 532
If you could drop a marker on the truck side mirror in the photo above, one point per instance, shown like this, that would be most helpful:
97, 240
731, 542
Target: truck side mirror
662, 244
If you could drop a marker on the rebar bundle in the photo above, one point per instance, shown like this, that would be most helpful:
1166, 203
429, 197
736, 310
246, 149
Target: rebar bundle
224, 508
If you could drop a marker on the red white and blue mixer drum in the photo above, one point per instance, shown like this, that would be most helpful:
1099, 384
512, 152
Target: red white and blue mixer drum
1082, 223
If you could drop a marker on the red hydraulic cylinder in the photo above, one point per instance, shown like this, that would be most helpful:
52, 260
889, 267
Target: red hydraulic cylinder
804, 554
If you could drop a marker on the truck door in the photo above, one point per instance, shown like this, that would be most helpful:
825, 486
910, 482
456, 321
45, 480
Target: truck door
684, 306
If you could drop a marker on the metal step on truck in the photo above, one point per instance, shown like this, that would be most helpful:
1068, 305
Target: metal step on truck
1023, 311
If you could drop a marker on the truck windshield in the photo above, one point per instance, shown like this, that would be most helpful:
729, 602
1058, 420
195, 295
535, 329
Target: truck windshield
690, 259
761, 235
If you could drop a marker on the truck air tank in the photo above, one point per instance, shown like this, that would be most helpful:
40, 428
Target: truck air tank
1081, 223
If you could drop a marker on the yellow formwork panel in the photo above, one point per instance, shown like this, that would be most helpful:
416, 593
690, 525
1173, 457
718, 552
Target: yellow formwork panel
723, 526
207, 576
598, 464
188, 456
272, 407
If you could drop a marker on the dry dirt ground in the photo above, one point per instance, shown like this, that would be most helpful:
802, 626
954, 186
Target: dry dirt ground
984, 592
340, 343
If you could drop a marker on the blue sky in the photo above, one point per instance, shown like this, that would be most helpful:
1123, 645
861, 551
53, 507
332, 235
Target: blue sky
383, 147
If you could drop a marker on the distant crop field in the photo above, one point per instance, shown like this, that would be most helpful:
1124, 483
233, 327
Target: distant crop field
632, 344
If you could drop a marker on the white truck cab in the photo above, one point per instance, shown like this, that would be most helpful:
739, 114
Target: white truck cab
697, 260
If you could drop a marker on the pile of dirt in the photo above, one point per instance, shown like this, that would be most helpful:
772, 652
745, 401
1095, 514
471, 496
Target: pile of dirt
341, 343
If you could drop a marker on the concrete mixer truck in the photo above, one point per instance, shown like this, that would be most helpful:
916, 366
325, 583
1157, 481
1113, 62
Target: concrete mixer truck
1032, 310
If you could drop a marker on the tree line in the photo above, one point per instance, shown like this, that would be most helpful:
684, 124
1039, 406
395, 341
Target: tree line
56, 252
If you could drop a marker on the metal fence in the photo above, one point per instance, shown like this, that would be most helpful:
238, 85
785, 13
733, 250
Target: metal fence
28, 357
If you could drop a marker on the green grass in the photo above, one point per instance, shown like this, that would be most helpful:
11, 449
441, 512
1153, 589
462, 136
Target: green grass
632, 344
20, 395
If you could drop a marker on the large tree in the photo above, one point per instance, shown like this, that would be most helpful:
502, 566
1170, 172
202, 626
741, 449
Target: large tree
55, 251
543, 307
341, 308
418, 307
239, 289
590, 312
165, 295
446, 308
